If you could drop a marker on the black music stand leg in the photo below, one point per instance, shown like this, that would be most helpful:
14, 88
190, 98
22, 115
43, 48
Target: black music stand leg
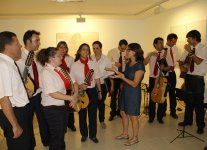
182, 135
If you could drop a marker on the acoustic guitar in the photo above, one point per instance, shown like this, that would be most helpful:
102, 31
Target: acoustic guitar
159, 92
184, 67
83, 99
27, 79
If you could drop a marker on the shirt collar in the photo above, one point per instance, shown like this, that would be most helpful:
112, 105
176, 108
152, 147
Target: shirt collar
7, 58
25, 50
52, 67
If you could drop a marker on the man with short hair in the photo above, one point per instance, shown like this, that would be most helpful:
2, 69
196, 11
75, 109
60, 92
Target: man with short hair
31, 41
194, 79
117, 57
172, 58
14, 103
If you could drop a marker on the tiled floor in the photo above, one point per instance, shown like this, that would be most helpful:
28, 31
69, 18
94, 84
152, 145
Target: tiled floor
151, 136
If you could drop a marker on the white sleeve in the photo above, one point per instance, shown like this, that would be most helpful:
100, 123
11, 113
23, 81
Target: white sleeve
47, 82
6, 79
176, 54
1, 89
182, 58
202, 53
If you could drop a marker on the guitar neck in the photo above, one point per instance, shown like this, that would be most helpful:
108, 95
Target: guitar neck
88, 76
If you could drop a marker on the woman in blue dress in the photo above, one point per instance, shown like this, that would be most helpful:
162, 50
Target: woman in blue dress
131, 93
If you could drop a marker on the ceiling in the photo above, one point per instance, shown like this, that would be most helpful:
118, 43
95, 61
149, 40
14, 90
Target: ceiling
108, 8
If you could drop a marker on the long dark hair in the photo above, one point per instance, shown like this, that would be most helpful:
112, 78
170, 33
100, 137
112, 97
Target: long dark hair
77, 55
44, 55
139, 53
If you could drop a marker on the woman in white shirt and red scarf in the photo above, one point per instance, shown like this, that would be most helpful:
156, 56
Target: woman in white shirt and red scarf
67, 62
54, 84
80, 68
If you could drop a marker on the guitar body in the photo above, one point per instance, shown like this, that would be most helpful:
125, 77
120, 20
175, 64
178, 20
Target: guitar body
82, 102
159, 92
30, 85
185, 66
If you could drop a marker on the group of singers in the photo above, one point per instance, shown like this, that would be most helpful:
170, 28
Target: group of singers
54, 74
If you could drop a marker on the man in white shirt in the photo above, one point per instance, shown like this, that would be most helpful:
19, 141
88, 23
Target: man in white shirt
194, 79
31, 41
103, 62
154, 58
14, 106
172, 57
117, 57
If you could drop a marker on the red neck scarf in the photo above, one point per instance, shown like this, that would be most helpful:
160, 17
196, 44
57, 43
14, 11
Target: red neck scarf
64, 65
86, 67
64, 79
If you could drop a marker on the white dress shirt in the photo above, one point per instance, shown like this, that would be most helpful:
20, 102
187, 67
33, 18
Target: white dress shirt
114, 55
170, 61
77, 72
21, 65
69, 61
152, 63
1, 89
51, 82
103, 63
201, 52
12, 83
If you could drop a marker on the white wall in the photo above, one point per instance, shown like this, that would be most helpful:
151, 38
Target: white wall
110, 31
184, 18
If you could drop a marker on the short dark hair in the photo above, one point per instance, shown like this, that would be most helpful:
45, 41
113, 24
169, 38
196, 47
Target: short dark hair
45, 54
98, 42
123, 42
28, 34
172, 36
6, 38
139, 53
195, 34
156, 40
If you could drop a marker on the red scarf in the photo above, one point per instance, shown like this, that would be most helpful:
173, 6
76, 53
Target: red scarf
86, 68
64, 65
65, 80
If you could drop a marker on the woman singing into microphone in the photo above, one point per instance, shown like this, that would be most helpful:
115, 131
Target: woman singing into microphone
131, 93
54, 84
79, 70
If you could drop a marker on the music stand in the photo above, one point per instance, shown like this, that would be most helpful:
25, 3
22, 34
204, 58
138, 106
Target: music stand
184, 96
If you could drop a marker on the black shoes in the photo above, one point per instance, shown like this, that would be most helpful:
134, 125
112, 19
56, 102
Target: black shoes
200, 131
83, 139
73, 128
160, 121
111, 118
95, 140
184, 123
150, 120
174, 115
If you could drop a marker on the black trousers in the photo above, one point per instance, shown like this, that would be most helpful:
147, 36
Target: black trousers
152, 105
71, 119
36, 107
92, 115
101, 103
24, 142
172, 84
56, 117
195, 86
115, 95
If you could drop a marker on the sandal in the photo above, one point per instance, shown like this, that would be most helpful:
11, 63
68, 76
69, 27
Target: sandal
122, 136
131, 142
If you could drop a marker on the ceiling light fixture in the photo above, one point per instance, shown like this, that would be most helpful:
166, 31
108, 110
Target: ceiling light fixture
80, 19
